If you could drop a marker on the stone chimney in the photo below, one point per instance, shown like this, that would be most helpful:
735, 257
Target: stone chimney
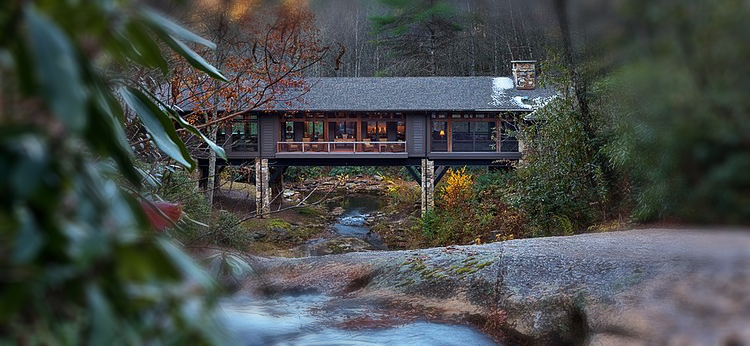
524, 74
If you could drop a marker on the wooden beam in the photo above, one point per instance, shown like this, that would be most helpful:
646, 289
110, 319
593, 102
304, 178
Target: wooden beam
414, 174
440, 172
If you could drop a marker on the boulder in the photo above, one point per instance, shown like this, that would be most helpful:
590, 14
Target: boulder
337, 211
338, 245
640, 287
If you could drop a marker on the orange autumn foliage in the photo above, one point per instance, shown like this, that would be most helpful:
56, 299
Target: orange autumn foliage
262, 52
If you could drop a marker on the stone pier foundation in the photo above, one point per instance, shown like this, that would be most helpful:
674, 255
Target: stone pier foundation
428, 185
262, 188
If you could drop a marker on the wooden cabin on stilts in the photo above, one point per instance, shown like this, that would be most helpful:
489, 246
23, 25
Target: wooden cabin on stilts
426, 124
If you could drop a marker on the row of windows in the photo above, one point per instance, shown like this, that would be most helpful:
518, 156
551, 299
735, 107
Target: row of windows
472, 136
243, 134
448, 132
314, 131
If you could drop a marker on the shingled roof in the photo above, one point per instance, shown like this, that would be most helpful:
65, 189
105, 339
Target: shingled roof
415, 93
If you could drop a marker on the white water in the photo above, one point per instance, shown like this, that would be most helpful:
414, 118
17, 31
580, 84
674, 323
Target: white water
303, 321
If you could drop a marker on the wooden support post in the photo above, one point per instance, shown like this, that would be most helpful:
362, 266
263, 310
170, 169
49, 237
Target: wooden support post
262, 188
428, 186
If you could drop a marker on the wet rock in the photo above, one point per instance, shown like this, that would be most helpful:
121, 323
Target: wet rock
280, 234
257, 235
337, 211
374, 239
338, 245
377, 177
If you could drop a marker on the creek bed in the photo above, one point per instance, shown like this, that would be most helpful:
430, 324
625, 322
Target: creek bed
308, 320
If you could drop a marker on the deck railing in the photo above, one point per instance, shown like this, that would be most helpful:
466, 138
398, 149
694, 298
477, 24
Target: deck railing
342, 147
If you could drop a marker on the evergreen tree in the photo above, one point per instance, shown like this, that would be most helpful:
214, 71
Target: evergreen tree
416, 31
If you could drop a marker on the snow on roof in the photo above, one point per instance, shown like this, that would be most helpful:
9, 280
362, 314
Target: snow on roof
521, 102
499, 87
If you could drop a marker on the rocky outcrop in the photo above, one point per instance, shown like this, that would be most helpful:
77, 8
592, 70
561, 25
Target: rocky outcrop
338, 245
643, 287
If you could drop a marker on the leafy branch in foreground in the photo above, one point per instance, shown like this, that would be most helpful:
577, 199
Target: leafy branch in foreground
81, 265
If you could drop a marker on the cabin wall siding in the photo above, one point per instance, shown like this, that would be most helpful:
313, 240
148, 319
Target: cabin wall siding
416, 132
268, 134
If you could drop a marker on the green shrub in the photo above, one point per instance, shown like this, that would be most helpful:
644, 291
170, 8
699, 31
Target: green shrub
302, 173
430, 224
493, 184
402, 195
563, 174
226, 231
441, 229
355, 170
178, 186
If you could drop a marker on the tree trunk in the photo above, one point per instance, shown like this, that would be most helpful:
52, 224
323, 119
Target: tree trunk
212, 115
433, 68
211, 183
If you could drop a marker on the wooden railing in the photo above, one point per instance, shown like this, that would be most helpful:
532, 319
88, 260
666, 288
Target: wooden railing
342, 147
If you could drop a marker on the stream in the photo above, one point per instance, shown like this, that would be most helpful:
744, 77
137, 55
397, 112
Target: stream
316, 320
306, 320
351, 223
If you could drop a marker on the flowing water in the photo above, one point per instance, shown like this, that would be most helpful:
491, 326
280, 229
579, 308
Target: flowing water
302, 321
309, 320
351, 223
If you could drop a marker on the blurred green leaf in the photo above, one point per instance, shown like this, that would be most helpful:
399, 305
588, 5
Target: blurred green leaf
160, 24
186, 264
137, 265
29, 240
105, 130
158, 126
192, 129
14, 296
192, 57
26, 174
144, 45
104, 330
57, 70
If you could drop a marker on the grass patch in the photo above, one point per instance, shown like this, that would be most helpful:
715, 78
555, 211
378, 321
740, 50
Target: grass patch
279, 224
256, 224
